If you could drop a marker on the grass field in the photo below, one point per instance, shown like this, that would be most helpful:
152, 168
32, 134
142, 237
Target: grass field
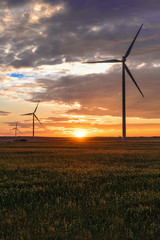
79, 190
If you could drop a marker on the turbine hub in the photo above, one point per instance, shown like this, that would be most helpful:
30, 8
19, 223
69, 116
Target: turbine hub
123, 59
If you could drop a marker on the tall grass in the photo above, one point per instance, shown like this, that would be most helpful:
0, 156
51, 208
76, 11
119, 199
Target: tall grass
70, 190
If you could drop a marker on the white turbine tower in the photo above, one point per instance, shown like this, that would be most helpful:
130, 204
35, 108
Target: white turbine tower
34, 116
124, 68
16, 129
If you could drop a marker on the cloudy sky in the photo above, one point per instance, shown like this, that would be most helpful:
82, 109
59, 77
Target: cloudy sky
43, 45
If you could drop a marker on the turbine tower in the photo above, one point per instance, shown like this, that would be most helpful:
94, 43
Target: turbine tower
124, 69
34, 116
16, 129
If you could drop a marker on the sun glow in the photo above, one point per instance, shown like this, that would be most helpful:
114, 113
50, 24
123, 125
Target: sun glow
80, 133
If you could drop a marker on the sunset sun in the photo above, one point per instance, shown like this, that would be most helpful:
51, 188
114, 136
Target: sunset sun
80, 133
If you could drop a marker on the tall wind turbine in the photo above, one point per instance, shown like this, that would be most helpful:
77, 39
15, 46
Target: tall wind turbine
124, 68
16, 129
34, 116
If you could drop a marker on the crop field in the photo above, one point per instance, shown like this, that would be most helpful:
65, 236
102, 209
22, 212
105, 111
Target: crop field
90, 189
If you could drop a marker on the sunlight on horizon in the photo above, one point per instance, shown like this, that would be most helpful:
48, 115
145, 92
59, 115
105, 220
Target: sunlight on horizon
80, 133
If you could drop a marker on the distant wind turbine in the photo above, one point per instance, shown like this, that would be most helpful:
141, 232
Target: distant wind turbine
124, 68
34, 116
16, 129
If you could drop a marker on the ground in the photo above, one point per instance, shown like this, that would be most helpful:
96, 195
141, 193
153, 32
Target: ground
68, 189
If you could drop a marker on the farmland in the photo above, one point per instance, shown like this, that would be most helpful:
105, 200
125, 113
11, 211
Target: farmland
91, 189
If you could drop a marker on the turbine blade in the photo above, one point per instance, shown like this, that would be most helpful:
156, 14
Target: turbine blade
37, 119
130, 47
18, 130
106, 61
16, 124
26, 114
36, 107
129, 73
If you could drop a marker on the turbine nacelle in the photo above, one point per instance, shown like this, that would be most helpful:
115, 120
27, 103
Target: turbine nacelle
124, 59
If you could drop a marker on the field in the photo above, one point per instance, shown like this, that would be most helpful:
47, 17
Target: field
91, 189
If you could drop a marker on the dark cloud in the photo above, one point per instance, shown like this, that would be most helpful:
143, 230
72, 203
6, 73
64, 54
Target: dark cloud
60, 119
85, 30
89, 111
4, 113
100, 94
15, 3
80, 31
90, 90
25, 124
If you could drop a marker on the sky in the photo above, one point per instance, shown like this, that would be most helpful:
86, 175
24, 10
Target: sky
43, 47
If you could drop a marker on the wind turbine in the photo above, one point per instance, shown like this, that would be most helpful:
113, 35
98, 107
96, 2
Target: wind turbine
34, 116
124, 68
16, 129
